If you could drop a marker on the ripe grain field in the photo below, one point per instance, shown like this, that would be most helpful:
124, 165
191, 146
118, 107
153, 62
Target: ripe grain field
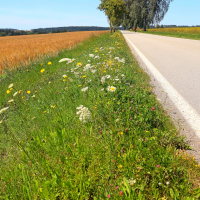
20, 50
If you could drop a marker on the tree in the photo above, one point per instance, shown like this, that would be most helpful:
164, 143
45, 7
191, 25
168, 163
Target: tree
145, 12
114, 10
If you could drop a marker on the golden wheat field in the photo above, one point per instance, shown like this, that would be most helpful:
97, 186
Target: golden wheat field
189, 30
20, 50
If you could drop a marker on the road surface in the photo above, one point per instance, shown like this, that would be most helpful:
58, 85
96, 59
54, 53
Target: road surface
175, 63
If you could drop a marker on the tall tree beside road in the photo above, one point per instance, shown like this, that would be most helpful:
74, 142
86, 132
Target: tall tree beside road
145, 12
114, 10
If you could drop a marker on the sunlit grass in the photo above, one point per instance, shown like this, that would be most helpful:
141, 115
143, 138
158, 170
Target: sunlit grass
189, 32
86, 125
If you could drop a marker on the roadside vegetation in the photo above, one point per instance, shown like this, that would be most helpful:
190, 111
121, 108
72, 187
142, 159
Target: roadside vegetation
188, 33
86, 125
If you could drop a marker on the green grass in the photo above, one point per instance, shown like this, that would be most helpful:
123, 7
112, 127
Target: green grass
127, 148
194, 36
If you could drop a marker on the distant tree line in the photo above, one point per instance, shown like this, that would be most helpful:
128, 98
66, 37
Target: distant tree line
11, 32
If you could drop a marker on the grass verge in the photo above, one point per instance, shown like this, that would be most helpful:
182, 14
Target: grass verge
178, 34
90, 128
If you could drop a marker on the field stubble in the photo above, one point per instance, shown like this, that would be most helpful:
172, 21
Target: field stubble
21, 50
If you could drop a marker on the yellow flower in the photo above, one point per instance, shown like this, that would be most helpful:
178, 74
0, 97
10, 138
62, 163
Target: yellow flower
28, 92
104, 71
118, 102
79, 64
36, 91
8, 91
64, 79
96, 51
49, 63
118, 155
121, 133
23, 97
84, 76
11, 89
20, 91
120, 166
42, 70
79, 85
41, 64
44, 112
53, 107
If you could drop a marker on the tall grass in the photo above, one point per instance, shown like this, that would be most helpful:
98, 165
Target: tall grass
90, 128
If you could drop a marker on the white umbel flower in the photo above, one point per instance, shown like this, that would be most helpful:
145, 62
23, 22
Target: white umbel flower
15, 94
84, 114
11, 100
84, 89
111, 89
3, 110
64, 59
91, 55
10, 86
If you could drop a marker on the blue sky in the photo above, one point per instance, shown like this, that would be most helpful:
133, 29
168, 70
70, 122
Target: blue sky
30, 14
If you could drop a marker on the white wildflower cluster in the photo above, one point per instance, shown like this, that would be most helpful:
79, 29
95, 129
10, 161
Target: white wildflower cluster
111, 89
93, 71
68, 60
131, 182
87, 67
120, 60
85, 114
84, 89
91, 55
96, 57
3, 110
10, 86
103, 79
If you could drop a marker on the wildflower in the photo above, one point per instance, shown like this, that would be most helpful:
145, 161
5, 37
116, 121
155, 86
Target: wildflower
49, 63
20, 91
3, 110
102, 89
33, 96
79, 64
10, 86
15, 94
53, 107
167, 183
111, 89
131, 118
64, 59
79, 85
10, 101
159, 183
93, 71
121, 133
96, 51
8, 91
131, 181
120, 193
64, 76
158, 166
42, 70
89, 60
85, 114
28, 92
91, 55
41, 64
64, 80
120, 166
44, 112
152, 108
23, 97
117, 187
27, 70
84, 89
84, 76
1, 121
108, 196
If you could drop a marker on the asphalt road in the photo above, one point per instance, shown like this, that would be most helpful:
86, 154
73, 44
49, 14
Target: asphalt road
178, 60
